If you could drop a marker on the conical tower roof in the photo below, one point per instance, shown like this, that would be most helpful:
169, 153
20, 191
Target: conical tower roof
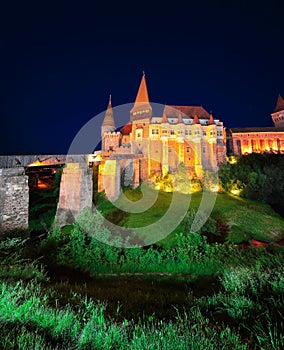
180, 121
211, 119
142, 94
164, 117
109, 119
195, 119
279, 104
142, 108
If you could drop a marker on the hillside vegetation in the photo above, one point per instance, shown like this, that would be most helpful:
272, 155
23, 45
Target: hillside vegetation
233, 219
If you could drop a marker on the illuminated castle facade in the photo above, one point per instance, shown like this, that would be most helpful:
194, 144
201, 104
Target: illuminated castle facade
259, 140
182, 134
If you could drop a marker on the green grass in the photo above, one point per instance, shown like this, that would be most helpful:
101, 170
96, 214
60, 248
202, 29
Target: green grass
245, 219
27, 318
255, 219
243, 307
244, 310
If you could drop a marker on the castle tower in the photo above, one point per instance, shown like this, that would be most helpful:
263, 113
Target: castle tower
142, 108
108, 129
278, 113
108, 123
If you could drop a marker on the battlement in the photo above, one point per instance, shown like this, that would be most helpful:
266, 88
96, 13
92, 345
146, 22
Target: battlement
112, 133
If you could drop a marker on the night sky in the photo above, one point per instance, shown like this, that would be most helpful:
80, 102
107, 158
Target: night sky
59, 62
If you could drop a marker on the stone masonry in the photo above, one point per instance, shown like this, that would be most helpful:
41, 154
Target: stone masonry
14, 199
76, 192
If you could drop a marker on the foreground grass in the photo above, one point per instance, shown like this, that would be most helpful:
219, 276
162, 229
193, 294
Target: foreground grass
244, 312
28, 322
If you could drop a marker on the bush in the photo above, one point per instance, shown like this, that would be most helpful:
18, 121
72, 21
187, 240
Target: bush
256, 176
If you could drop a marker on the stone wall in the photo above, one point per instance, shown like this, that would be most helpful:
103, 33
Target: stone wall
76, 192
14, 199
110, 179
13, 161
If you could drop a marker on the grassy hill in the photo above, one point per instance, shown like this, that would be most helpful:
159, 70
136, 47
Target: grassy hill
233, 218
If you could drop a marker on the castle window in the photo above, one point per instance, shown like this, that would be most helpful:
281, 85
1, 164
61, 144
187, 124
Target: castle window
186, 132
204, 133
203, 149
155, 131
187, 149
172, 132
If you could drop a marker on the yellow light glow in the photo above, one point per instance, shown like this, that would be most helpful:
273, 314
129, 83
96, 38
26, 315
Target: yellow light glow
36, 163
96, 157
215, 188
235, 192
232, 160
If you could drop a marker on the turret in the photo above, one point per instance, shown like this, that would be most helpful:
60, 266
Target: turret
278, 113
108, 125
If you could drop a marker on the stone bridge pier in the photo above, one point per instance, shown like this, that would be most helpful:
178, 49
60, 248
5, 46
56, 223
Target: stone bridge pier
76, 192
14, 199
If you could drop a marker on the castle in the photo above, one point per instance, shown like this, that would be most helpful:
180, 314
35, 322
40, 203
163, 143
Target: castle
182, 134
258, 140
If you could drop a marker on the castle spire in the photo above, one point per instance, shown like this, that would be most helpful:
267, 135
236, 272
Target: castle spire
142, 108
279, 104
142, 95
109, 119
211, 119
164, 116
195, 119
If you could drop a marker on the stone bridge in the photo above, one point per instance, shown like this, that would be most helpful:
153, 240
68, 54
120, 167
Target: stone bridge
14, 185
76, 187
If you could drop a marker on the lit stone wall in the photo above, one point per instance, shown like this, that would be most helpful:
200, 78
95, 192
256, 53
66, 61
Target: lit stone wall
14, 199
120, 169
76, 192
109, 179
257, 142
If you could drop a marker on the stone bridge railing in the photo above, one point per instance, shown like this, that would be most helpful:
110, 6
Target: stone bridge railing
13, 161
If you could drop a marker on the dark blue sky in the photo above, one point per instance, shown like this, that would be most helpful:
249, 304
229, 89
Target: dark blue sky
59, 62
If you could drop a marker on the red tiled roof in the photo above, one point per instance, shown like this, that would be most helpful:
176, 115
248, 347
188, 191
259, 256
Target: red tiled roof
263, 129
126, 129
187, 111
